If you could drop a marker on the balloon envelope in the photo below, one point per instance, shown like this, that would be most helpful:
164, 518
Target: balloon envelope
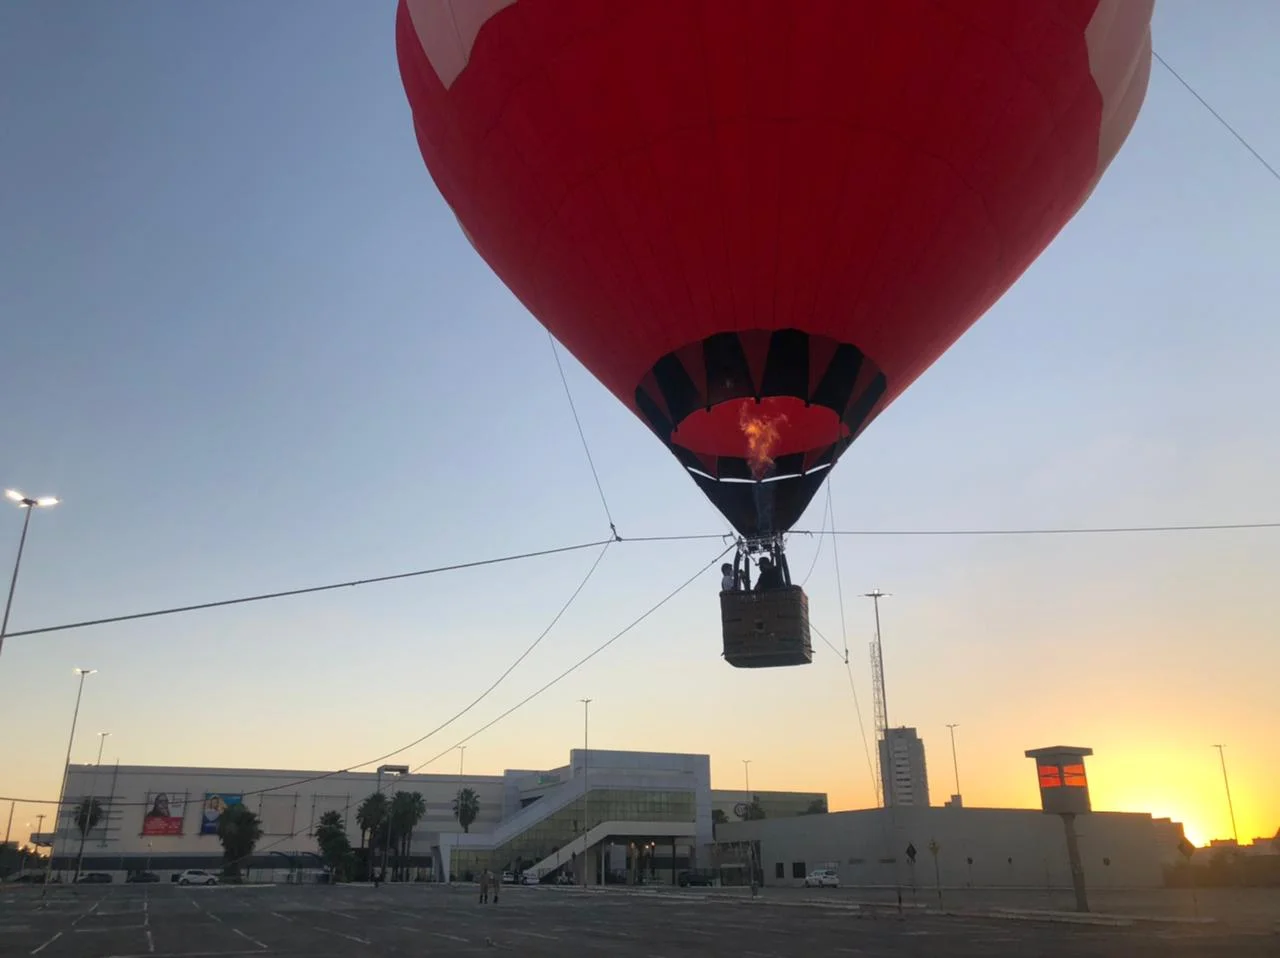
758, 222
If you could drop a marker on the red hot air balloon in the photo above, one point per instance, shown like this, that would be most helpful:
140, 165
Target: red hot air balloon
758, 221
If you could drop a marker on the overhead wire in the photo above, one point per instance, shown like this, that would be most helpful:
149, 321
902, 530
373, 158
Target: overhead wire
1218, 116
577, 421
307, 591
1065, 531
523, 702
422, 738
848, 667
582, 661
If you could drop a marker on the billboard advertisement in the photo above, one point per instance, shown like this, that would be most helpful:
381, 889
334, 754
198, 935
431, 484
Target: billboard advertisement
163, 813
214, 805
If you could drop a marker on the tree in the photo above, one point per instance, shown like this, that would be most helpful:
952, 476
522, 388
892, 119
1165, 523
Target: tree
335, 847
817, 807
407, 809
88, 815
755, 811
718, 817
239, 830
466, 808
369, 816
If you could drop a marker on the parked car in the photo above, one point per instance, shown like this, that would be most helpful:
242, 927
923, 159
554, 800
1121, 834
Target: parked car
143, 878
822, 878
197, 876
703, 879
94, 878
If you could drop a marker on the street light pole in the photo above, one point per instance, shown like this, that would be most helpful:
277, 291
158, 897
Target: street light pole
746, 774
93, 798
586, 781
66, 768
1226, 782
954, 763
102, 740
462, 754
386, 845
30, 504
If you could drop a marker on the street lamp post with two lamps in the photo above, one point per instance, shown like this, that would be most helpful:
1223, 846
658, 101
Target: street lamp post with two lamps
29, 503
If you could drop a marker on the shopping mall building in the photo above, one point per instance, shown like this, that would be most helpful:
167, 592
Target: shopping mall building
592, 818
605, 816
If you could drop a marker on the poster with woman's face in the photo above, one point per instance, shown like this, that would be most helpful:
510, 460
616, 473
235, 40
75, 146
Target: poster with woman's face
215, 803
163, 813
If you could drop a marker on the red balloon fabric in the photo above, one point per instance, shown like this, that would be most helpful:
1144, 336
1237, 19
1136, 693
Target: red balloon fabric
758, 221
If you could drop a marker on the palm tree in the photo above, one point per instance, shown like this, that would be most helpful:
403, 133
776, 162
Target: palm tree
407, 809
466, 808
88, 815
369, 816
335, 848
239, 830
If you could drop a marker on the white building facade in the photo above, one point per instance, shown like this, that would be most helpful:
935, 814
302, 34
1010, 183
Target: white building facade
592, 818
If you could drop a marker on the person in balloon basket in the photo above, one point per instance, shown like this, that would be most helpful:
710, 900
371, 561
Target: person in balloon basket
770, 577
728, 578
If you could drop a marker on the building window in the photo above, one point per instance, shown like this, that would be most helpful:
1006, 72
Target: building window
797, 870
779, 870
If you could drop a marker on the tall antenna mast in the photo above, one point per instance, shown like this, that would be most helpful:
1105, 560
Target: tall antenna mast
881, 705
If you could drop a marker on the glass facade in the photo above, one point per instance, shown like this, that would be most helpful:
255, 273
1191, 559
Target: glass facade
558, 829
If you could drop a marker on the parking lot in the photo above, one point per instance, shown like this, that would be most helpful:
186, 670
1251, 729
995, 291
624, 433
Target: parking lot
164, 921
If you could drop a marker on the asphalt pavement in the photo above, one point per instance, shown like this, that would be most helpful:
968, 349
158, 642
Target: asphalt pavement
356, 921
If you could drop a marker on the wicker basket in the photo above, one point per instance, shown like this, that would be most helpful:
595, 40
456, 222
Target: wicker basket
766, 629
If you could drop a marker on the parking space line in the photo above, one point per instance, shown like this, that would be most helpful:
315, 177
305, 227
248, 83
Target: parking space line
91, 910
248, 938
441, 934
151, 942
283, 917
40, 948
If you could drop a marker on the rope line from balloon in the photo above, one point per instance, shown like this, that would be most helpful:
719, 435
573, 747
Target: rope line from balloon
529, 698
844, 634
525, 701
585, 659
1218, 116
577, 421
308, 590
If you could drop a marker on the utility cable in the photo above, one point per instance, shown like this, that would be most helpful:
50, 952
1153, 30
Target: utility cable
1097, 530
308, 590
564, 381
418, 741
1218, 116
844, 634
582, 661
533, 695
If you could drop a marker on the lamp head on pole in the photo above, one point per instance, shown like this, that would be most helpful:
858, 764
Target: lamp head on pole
30, 502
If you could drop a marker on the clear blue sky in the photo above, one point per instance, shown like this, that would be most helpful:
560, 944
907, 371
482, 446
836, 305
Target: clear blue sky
247, 344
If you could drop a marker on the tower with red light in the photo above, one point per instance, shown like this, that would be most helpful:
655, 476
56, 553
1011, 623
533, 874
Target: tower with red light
1064, 791
1064, 786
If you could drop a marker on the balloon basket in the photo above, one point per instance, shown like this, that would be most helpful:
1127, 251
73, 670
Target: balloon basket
766, 629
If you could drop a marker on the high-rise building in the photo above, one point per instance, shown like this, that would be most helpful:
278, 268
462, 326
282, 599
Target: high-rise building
902, 764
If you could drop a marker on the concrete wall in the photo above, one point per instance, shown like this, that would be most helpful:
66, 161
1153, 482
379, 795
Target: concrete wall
288, 813
1009, 847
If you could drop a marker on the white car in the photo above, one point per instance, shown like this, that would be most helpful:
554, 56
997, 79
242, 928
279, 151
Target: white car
197, 876
822, 878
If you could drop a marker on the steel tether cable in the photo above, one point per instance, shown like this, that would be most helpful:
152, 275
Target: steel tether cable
577, 421
308, 590
1218, 116
582, 661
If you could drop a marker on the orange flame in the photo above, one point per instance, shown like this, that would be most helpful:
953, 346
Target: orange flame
762, 436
